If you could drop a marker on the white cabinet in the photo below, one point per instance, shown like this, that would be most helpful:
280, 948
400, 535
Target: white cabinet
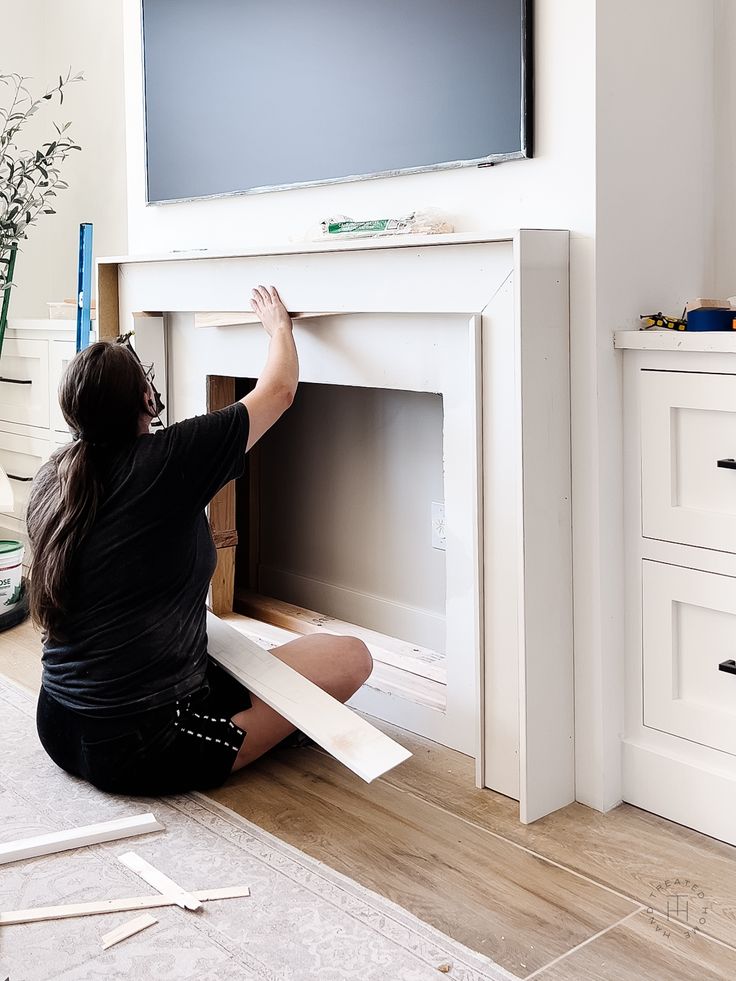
679, 740
34, 356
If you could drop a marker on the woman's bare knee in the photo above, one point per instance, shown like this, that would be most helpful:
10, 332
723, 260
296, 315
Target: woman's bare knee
337, 663
361, 662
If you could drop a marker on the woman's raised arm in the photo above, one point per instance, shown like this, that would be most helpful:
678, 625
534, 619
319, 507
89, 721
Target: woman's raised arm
276, 387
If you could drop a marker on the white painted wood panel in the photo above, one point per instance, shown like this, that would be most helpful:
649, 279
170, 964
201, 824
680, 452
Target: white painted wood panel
546, 694
689, 629
344, 734
459, 279
502, 554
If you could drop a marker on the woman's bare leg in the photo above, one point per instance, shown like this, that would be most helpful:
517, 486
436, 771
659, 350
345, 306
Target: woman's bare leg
338, 665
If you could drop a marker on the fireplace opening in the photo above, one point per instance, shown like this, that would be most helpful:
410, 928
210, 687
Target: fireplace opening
334, 518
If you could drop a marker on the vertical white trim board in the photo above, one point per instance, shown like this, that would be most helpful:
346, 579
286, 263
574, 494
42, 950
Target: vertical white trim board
337, 729
91, 834
546, 704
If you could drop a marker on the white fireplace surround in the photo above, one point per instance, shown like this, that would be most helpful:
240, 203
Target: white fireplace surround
483, 321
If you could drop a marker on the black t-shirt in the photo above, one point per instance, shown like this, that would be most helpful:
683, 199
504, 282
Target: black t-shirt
135, 635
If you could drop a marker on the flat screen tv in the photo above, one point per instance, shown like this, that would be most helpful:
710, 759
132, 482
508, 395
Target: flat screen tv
258, 95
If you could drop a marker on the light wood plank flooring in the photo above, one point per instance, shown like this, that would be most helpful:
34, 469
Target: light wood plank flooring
577, 895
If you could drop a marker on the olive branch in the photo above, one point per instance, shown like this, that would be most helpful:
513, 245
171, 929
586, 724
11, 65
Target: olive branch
29, 179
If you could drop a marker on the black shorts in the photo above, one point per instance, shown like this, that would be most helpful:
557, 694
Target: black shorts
171, 749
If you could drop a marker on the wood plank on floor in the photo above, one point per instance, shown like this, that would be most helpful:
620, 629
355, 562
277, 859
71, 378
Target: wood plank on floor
645, 948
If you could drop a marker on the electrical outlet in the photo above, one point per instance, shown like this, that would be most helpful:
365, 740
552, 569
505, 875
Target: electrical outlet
438, 526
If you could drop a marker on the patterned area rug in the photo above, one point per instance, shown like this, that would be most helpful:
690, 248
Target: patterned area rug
302, 920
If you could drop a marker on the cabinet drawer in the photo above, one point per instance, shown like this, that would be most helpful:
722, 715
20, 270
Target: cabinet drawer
688, 424
689, 628
20, 457
24, 382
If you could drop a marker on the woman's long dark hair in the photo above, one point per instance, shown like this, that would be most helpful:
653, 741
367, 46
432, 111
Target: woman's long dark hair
102, 395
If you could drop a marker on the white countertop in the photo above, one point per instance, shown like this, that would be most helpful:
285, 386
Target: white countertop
711, 341
40, 324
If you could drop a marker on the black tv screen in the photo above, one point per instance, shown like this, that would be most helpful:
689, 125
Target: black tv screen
254, 95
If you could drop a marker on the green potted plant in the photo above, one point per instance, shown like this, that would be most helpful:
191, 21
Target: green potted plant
30, 177
29, 180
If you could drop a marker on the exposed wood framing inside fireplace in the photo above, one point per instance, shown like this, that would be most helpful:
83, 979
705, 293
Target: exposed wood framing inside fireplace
221, 393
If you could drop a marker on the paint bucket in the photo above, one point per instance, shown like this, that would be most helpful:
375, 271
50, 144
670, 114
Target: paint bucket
11, 574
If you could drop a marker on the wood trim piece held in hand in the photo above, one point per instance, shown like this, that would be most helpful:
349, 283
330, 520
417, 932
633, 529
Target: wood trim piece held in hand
336, 728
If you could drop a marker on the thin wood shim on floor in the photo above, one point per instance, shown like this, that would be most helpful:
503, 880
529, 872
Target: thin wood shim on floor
100, 906
128, 929
337, 729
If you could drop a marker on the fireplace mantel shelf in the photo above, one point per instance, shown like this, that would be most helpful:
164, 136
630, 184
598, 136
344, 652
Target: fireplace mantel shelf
337, 245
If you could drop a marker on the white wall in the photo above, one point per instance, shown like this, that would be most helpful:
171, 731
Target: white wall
348, 477
86, 35
655, 248
554, 190
725, 147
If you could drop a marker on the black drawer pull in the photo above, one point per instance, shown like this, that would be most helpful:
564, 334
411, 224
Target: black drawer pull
728, 666
727, 464
17, 381
13, 476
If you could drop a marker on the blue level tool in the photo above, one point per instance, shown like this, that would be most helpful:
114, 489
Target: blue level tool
84, 286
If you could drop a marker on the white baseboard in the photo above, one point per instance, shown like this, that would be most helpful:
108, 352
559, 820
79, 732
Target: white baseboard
700, 798
407, 623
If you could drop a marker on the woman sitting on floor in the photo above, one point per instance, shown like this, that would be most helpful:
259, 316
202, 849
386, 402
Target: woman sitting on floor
122, 561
